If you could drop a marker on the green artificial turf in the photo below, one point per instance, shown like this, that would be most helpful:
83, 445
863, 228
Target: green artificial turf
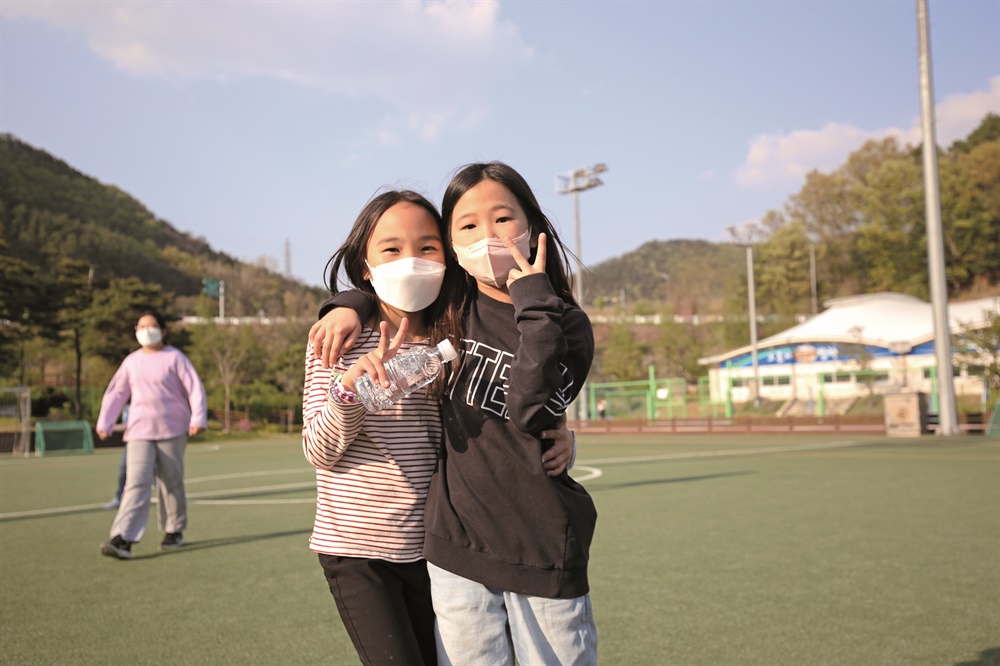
709, 550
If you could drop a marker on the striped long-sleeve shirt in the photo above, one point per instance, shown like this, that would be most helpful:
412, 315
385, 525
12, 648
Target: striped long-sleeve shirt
372, 470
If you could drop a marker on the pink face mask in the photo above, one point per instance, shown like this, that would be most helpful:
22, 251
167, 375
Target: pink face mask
489, 261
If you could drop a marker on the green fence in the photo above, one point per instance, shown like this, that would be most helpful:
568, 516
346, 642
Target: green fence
654, 398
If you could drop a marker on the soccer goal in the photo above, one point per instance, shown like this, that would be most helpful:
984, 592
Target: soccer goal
15, 420
63, 437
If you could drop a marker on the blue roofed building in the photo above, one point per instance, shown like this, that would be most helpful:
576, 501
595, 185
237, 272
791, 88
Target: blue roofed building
883, 343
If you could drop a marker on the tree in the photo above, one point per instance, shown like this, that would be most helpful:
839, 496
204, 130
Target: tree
622, 360
73, 293
970, 210
21, 303
287, 370
678, 351
890, 250
979, 348
832, 208
781, 270
988, 131
226, 350
114, 312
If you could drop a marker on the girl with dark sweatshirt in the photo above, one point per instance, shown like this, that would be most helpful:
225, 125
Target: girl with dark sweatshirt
506, 544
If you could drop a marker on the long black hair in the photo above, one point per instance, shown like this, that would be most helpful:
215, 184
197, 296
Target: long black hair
442, 318
556, 259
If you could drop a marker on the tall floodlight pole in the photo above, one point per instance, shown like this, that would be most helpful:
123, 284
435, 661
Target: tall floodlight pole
574, 182
947, 420
753, 326
812, 277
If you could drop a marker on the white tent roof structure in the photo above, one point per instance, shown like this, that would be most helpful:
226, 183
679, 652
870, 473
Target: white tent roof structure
894, 321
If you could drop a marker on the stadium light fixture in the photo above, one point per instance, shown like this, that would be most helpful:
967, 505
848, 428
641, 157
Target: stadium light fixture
573, 182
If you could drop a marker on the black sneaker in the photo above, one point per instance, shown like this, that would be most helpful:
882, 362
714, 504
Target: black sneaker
117, 547
172, 541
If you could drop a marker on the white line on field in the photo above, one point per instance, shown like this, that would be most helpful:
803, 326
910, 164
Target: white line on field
305, 500
258, 489
731, 452
592, 473
50, 512
194, 496
243, 475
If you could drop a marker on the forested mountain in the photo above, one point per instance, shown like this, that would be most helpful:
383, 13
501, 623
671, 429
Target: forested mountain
689, 275
50, 212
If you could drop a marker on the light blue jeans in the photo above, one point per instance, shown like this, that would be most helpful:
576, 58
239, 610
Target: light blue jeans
482, 626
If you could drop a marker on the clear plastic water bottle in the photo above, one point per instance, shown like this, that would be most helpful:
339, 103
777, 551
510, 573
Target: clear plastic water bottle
408, 371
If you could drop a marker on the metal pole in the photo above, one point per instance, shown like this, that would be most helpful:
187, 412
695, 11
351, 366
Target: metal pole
812, 276
575, 181
947, 419
581, 398
578, 279
222, 299
753, 327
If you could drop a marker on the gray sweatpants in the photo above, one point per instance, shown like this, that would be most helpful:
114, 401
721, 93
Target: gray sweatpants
166, 456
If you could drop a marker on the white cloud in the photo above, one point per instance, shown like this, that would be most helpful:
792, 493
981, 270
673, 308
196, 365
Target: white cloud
782, 160
434, 61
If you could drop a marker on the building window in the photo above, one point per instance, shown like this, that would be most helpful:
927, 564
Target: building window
783, 380
838, 378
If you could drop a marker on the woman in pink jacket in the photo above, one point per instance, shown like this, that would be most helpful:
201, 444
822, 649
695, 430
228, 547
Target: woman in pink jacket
167, 405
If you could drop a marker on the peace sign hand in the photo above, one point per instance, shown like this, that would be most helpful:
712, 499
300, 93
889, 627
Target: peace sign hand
373, 363
525, 267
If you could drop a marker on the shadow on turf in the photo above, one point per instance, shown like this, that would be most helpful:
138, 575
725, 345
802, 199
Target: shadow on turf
192, 546
683, 479
989, 657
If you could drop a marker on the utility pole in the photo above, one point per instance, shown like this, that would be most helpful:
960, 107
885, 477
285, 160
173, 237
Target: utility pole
574, 182
812, 277
288, 258
947, 419
753, 326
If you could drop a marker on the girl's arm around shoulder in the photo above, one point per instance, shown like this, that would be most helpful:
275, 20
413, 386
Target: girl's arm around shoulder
328, 427
336, 332
554, 356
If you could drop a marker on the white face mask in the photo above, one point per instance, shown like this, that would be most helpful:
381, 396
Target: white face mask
148, 337
489, 261
409, 284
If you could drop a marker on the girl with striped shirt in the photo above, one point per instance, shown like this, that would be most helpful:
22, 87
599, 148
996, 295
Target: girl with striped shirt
373, 470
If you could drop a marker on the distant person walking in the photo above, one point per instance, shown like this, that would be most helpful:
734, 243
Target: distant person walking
167, 406
116, 501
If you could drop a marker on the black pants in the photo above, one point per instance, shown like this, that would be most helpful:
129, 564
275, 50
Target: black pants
386, 608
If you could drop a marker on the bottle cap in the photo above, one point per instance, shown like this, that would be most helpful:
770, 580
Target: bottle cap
447, 350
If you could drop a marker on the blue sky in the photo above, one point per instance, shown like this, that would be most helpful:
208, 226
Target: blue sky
252, 123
